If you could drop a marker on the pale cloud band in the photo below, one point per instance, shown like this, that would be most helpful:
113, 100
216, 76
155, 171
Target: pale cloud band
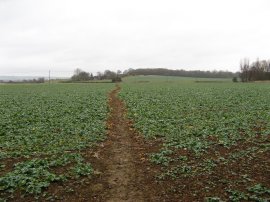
38, 35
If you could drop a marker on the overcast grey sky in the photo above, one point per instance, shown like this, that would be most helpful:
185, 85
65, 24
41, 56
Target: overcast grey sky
38, 35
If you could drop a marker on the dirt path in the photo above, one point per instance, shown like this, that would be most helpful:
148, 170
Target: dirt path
121, 166
122, 170
124, 152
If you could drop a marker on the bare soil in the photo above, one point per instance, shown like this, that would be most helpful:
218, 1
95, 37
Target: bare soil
122, 169
124, 158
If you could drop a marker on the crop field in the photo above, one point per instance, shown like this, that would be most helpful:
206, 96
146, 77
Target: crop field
215, 135
43, 130
148, 138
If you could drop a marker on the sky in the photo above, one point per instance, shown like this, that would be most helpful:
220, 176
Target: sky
60, 35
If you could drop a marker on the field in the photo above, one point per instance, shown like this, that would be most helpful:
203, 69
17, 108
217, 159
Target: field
215, 135
43, 130
184, 139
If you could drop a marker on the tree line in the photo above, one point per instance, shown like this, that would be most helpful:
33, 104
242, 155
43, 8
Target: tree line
183, 73
255, 71
80, 75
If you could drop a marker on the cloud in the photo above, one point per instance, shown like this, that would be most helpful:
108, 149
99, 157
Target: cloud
60, 35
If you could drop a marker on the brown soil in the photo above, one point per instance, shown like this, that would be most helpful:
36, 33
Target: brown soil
122, 169
233, 174
124, 158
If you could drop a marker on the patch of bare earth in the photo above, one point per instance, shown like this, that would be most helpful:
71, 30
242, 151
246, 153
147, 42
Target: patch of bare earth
122, 169
231, 174
127, 173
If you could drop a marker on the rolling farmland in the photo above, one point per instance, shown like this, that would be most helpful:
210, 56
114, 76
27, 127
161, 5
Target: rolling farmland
215, 135
43, 130
166, 138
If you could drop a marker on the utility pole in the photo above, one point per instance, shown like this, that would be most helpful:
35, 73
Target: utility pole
49, 76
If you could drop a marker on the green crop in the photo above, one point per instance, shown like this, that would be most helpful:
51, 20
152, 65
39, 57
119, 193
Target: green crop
189, 115
194, 119
45, 127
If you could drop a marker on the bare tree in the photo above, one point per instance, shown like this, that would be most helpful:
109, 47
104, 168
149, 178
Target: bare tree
99, 75
77, 71
258, 70
80, 75
118, 72
244, 67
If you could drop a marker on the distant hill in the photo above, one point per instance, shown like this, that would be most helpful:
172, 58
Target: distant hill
182, 73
